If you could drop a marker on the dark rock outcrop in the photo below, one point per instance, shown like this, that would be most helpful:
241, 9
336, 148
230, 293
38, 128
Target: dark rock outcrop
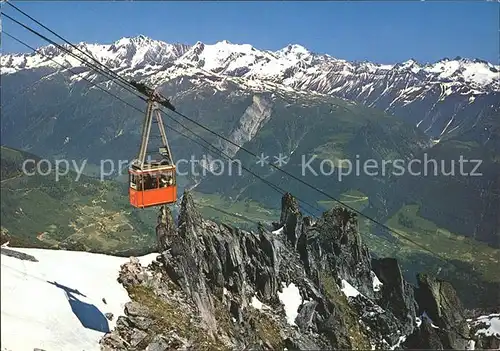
397, 294
306, 286
291, 219
17, 254
165, 229
439, 301
109, 316
346, 254
425, 337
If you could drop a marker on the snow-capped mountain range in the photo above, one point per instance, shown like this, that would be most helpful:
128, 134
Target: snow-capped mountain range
439, 97
244, 60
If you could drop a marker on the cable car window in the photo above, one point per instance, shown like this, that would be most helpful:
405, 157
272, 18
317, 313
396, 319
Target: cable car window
138, 181
133, 180
163, 181
150, 181
167, 179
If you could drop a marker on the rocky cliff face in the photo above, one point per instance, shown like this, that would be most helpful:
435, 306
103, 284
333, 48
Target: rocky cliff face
309, 284
254, 117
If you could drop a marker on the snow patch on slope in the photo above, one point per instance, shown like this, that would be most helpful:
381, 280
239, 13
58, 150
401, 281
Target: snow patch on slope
426, 317
57, 303
255, 302
278, 231
291, 299
377, 284
348, 289
491, 325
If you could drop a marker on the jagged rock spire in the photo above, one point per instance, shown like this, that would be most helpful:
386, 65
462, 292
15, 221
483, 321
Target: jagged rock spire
189, 216
291, 218
165, 228
289, 206
233, 283
439, 300
397, 294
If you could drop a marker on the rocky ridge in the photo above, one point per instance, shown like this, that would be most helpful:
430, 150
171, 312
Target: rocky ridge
309, 284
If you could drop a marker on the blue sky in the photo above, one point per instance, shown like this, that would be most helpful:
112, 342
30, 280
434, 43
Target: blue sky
384, 32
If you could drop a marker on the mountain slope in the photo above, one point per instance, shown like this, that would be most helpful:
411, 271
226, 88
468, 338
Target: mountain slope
290, 101
442, 98
72, 211
311, 284
473, 200
58, 116
326, 132
216, 287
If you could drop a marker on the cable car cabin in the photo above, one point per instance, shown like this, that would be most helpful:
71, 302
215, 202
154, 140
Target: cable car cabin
153, 185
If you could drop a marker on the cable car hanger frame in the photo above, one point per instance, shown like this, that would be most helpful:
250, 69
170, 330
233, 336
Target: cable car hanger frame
153, 183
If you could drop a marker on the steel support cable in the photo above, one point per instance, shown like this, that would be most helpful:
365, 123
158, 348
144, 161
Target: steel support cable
67, 42
312, 187
276, 188
90, 65
397, 233
103, 66
272, 165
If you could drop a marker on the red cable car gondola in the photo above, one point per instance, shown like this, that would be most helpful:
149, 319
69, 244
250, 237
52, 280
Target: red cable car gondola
152, 182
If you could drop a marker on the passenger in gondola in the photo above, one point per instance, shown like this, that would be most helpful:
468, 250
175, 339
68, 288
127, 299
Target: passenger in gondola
138, 182
163, 181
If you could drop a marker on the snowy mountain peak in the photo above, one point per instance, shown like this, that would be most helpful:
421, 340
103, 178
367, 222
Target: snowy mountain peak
198, 47
230, 47
52, 50
410, 65
294, 49
410, 62
476, 72
137, 52
222, 56
138, 40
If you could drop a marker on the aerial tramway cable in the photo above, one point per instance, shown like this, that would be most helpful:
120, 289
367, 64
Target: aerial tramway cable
123, 80
208, 144
240, 147
405, 237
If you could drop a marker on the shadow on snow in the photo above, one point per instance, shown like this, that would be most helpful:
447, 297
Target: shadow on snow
89, 315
